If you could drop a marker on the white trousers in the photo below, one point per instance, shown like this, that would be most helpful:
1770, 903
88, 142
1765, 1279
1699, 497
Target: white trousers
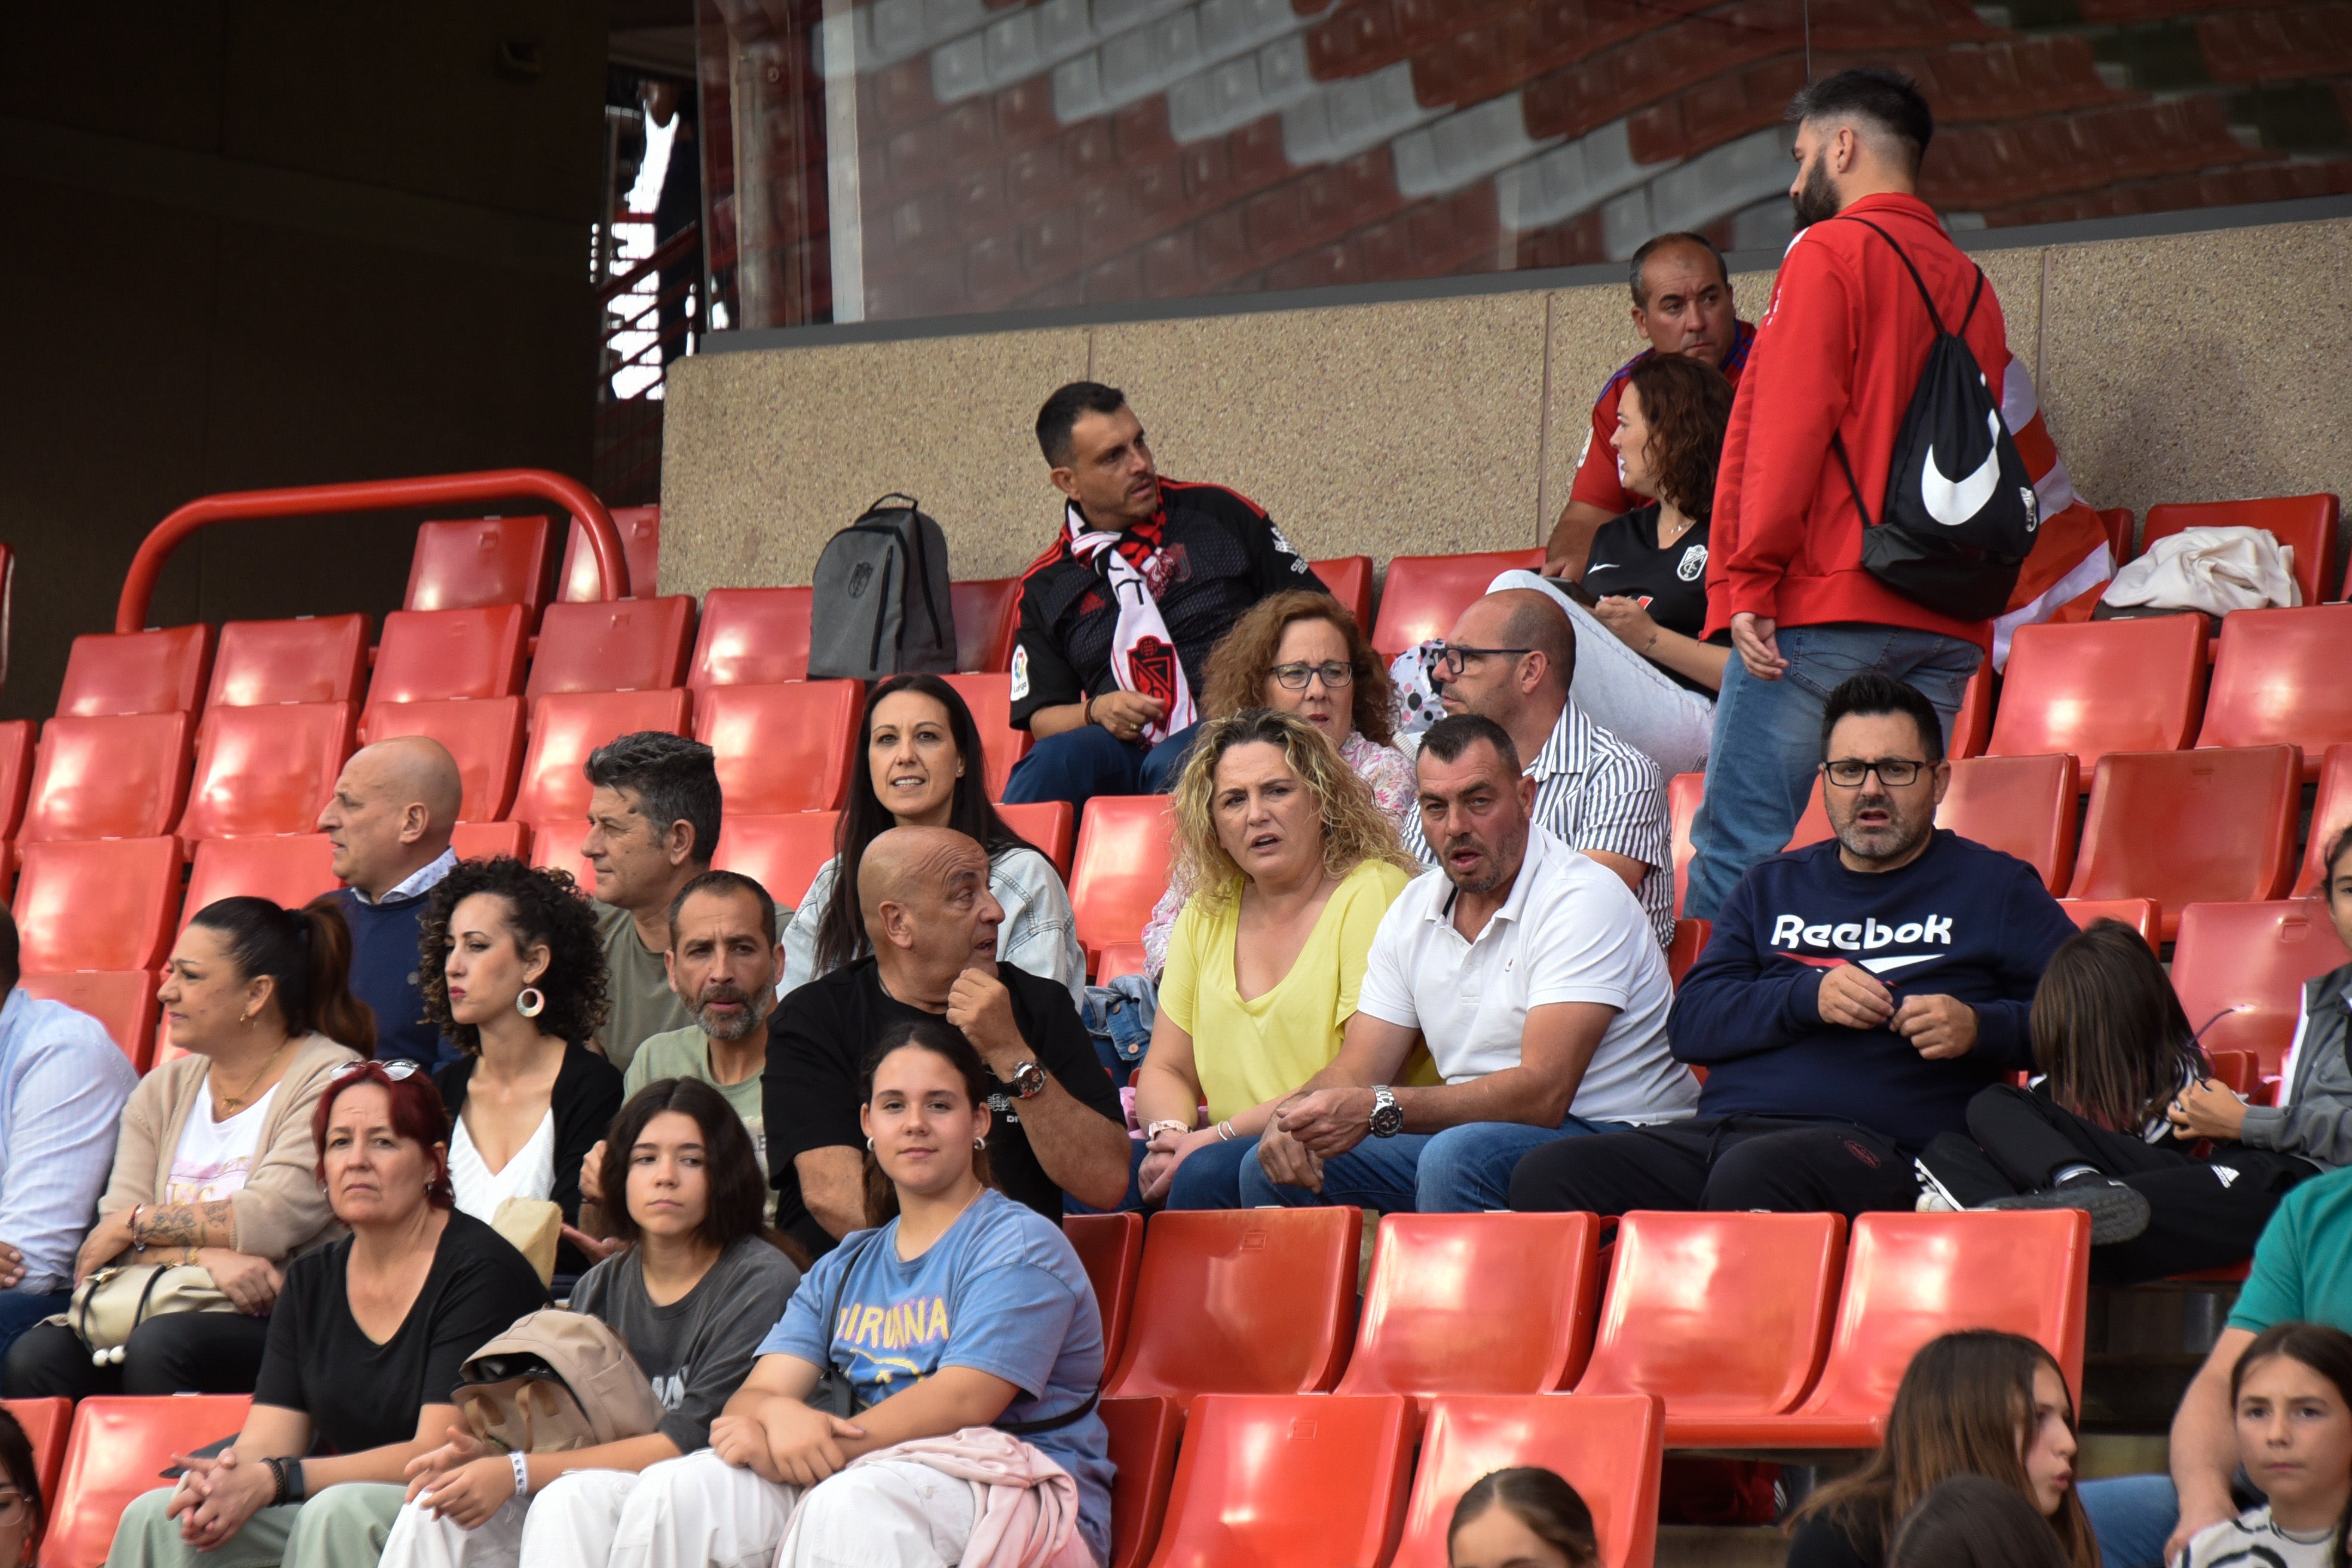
572, 1521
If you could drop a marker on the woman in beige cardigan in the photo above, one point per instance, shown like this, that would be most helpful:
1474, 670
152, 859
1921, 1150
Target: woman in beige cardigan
216, 1165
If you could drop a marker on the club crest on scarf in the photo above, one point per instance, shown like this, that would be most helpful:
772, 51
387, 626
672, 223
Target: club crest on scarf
1152, 663
1143, 659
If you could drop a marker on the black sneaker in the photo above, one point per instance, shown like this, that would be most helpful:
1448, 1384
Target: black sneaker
2119, 1213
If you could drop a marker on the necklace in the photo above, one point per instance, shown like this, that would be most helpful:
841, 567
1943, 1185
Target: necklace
1685, 528
230, 1103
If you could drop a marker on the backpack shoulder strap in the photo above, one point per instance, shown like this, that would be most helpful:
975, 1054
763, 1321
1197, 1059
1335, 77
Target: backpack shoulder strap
1918, 282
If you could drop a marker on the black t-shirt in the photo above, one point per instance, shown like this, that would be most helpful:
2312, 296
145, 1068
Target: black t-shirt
359, 1394
817, 1040
1221, 555
1671, 584
1822, 1543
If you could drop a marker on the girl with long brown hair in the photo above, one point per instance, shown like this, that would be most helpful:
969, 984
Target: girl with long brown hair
2291, 1396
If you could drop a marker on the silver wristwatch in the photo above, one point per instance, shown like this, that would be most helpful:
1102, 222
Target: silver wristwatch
1028, 1082
1388, 1116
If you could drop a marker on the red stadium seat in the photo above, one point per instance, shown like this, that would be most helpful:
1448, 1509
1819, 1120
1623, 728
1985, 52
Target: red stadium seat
46, 1423
290, 871
1111, 1246
1813, 821
2020, 805
136, 672
556, 844
1690, 941
987, 618
2331, 813
16, 773
627, 645
1723, 1316
1120, 958
481, 561
486, 840
108, 778
2241, 1070
311, 658
120, 1449
483, 736
782, 853
1609, 1447
1477, 1303
1684, 791
1269, 1481
442, 655
564, 728
1050, 825
2279, 680
2142, 915
640, 530
1909, 1278
2240, 968
123, 1000
2101, 686
1349, 578
1242, 1301
108, 904
2121, 526
1972, 726
1125, 845
266, 770
751, 636
2185, 827
990, 697
1425, 594
2306, 524
782, 748
1144, 1434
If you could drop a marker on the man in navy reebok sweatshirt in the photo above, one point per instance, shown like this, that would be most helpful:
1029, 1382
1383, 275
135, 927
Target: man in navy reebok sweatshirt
1852, 995
389, 822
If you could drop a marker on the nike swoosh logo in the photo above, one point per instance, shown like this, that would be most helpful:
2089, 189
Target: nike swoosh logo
1881, 966
1954, 502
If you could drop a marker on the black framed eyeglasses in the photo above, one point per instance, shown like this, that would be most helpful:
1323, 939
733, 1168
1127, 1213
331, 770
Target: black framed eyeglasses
1894, 773
1295, 677
1451, 657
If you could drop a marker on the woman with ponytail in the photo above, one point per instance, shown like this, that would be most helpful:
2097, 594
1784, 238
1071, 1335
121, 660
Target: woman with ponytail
215, 1166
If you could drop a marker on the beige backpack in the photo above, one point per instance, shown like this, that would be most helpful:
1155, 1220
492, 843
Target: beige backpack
553, 1382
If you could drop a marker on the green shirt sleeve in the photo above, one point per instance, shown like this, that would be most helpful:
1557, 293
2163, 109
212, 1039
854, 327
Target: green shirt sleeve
2274, 1289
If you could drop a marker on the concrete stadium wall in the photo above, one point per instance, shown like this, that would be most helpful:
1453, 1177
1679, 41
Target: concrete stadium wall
2175, 367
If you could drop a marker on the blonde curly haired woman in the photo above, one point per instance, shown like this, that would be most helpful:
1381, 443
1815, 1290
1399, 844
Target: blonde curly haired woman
1293, 864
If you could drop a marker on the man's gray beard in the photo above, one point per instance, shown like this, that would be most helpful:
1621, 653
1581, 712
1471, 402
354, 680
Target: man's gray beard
746, 1023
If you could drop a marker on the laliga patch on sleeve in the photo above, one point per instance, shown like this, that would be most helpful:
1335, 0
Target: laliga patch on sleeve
1020, 671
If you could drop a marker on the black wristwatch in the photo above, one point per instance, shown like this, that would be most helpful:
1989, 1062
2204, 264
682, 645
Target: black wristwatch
1028, 1082
1388, 1116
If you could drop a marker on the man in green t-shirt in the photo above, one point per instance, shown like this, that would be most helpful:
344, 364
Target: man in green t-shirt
653, 810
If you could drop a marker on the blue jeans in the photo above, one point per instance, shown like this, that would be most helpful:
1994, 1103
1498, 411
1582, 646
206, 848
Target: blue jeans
1462, 1170
1766, 744
1210, 1176
20, 1309
2131, 1516
1079, 764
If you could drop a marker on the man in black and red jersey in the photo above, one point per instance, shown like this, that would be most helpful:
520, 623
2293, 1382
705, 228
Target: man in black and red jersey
1119, 613
1683, 304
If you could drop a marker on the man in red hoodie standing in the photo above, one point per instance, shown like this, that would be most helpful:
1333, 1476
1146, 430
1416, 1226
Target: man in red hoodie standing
1835, 361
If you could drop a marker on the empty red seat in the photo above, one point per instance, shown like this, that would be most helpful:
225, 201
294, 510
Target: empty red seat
2121, 525
1111, 1246
2141, 914
2100, 686
266, 770
1684, 791
440, 655
1690, 941
486, 840
2241, 1070
2020, 805
625, 645
136, 672
987, 619
484, 737
122, 1000
1609, 1447
119, 1447
640, 530
290, 871
2239, 970
1269, 1481
1120, 958
2185, 827
122, 777
990, 697
782, 748
1723, 1316
556, 844
1813, 821
1049, 826
1125, 845
1425, 595
1242, 1301
2306, 524
102, 904
480, 561
15, 773
1972, 726
782, 853
311, 658
2278, 679
751, 636
1144, 1434
2331, 813
46, 1423
1349, 578
565, 728
1477, 1303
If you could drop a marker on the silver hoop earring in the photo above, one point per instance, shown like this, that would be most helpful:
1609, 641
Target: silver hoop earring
531, 1003
869, 1145
979, 1143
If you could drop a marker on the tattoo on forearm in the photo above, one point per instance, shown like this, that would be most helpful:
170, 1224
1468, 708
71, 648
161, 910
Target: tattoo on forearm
188, 1224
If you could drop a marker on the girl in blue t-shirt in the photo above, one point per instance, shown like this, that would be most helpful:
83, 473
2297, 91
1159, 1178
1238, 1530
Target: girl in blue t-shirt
962, 1310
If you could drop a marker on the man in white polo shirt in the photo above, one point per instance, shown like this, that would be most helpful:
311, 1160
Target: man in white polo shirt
1531, 972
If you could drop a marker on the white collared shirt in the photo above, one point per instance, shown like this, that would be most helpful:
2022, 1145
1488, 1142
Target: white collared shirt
423, 879
1570, 931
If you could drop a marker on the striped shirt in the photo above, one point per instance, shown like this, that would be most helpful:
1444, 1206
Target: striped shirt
63, 1084
1595, 792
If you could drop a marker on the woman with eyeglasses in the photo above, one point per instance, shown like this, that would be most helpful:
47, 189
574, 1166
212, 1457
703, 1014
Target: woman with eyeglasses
213, 1166
21, 1505
513, 973
1301, 653
364, 1350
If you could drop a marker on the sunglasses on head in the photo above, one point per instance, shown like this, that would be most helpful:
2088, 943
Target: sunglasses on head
397, 1070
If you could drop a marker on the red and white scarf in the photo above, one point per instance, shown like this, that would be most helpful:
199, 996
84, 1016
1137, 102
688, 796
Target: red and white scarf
1143, 656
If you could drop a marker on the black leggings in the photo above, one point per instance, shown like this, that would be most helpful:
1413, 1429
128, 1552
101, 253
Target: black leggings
186, 1353
1721, 1163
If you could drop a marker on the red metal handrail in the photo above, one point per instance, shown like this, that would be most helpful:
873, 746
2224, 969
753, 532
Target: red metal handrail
374, 495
